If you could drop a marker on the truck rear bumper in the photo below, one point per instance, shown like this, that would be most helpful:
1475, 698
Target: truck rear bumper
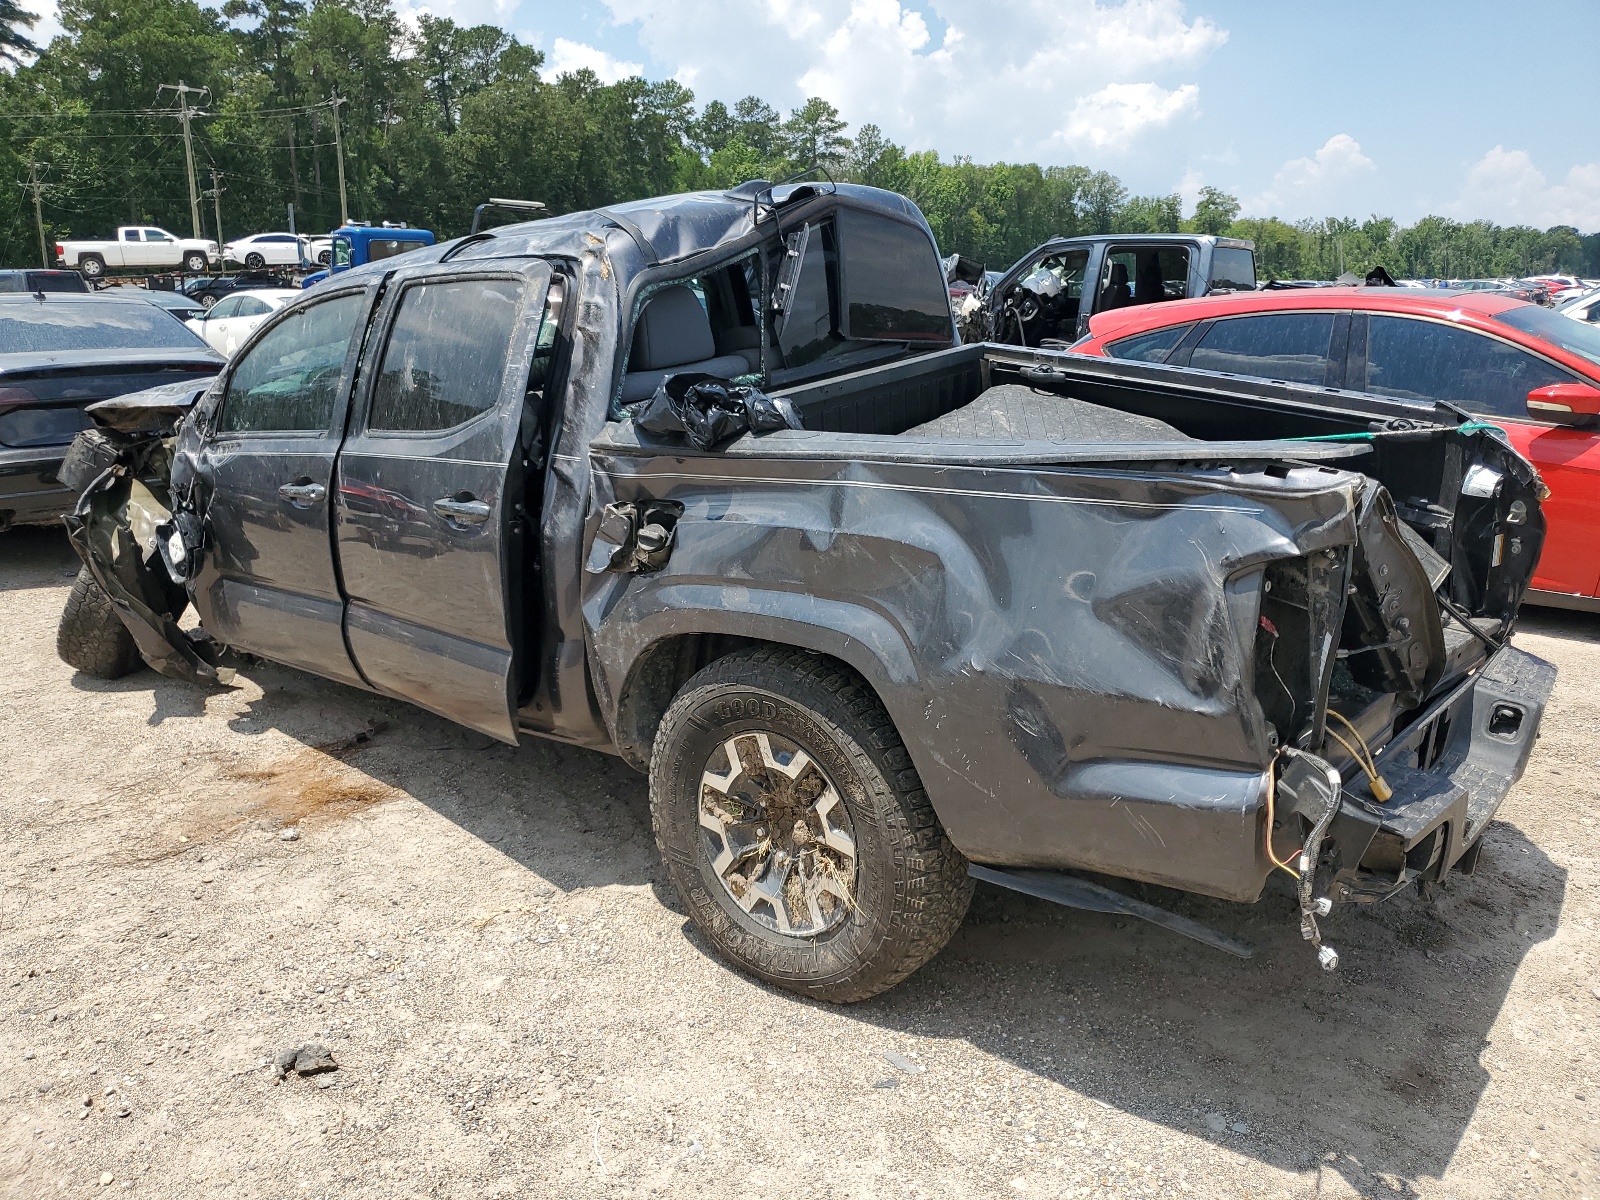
1450, 770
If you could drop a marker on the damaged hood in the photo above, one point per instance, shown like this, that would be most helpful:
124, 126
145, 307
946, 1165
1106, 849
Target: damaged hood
152, 410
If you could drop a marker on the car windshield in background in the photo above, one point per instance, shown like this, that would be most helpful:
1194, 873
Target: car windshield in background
1577, 337
98, 325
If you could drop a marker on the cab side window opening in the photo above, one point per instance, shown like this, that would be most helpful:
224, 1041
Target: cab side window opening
288, 382
1047, 301
446, 355
1143, 275
704, 324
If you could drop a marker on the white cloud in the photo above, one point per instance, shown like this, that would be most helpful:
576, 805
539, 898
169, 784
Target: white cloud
1188, 188
1505, 186
48, 26
567, 56
1314, 185
987, 78
1118, 112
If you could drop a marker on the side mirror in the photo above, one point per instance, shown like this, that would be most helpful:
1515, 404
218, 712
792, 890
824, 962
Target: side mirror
1565, 403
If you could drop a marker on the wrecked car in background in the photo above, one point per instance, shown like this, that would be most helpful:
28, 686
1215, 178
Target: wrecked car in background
1048, 295
60, 352
989, 611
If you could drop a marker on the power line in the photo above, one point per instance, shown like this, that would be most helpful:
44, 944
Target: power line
334, 101
296, 110
184, 114
35, 184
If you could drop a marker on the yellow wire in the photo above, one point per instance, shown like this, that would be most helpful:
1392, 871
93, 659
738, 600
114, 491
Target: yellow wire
1380, 786
1272, 789
1370, 763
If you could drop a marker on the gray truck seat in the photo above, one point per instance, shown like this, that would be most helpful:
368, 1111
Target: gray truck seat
674, 336
1012, 411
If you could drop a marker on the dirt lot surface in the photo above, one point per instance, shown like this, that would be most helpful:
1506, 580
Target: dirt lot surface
195, 881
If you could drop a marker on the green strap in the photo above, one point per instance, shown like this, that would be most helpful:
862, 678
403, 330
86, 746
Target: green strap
1465, 427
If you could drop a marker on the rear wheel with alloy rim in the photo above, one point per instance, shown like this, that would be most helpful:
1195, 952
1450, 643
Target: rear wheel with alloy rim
796, 829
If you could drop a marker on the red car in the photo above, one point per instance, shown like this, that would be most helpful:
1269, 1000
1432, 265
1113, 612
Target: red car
1524, 368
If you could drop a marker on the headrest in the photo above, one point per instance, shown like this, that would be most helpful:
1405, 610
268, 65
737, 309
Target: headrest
673, 330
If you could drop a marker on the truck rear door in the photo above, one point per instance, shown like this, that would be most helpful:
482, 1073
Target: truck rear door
430, 520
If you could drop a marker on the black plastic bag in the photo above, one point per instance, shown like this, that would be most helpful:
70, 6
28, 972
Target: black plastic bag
709, 410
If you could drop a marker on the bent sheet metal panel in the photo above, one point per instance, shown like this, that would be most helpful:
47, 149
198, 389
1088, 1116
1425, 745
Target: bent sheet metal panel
1056, 646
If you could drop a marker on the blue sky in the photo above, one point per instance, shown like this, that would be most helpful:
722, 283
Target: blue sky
1301, 109
1404, 108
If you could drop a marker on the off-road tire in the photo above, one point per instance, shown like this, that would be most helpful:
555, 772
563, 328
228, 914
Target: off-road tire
92, 266
912, 888
254, 261
92, 638
195, 263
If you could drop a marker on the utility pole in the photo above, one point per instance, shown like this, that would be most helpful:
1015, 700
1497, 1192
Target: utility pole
184, 114
35, 184
334, 102
215, 192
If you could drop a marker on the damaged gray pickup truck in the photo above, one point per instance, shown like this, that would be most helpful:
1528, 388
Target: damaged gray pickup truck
993, 611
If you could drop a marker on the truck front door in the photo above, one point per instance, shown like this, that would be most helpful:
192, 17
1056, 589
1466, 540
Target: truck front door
268, 584
432, 520
160, 249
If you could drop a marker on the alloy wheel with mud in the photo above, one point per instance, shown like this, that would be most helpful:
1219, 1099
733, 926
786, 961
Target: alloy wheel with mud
781, 839
796, 829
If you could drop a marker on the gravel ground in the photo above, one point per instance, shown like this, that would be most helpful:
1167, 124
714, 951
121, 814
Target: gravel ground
481, 936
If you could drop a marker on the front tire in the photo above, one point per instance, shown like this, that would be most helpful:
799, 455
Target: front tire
815, 861
91, 637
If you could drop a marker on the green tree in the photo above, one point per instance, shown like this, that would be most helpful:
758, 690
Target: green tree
1214, 211
814, 133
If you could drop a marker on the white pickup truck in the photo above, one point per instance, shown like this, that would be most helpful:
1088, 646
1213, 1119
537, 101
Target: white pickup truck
137, 248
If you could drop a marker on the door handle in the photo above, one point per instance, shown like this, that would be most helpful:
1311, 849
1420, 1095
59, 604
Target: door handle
303, 494
461, 511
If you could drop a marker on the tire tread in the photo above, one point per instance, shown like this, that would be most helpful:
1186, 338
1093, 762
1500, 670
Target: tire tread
91, 637
938, 888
